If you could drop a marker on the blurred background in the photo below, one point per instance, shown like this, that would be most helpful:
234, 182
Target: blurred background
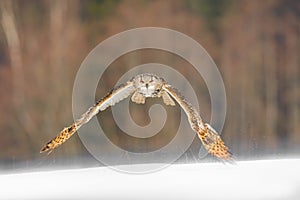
255, 44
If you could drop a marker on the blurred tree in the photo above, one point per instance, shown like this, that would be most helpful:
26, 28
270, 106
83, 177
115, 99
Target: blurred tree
212, 11
97, 9
16, 62
255, 44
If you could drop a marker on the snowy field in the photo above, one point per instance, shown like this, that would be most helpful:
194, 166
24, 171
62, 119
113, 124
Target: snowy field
266, 179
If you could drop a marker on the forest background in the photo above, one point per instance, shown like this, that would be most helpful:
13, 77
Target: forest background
255, 44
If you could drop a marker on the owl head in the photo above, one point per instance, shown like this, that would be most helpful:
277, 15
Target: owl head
149, 85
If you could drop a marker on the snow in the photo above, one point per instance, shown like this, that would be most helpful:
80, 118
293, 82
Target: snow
265, 179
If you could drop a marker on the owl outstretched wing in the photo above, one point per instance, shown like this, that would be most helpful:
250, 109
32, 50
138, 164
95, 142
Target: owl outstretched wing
208, 136
114, 96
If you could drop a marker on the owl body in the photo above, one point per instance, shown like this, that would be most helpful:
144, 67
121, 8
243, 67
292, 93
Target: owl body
141, 87
148, 85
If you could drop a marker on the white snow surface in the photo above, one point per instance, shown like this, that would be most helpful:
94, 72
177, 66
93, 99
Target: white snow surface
264, 179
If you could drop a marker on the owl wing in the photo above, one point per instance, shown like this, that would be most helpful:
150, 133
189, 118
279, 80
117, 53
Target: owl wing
114, 96
208, 136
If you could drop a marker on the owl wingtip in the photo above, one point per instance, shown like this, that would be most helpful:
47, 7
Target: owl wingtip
46, 148
229, 159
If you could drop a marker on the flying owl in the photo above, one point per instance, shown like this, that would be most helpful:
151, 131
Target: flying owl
144, 86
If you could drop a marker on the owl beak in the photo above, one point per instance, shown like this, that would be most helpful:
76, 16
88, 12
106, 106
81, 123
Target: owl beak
147, 85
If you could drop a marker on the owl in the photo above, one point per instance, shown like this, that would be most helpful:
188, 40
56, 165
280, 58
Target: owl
141, 87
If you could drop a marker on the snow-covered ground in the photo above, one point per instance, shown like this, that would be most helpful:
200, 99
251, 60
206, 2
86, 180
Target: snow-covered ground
265, 179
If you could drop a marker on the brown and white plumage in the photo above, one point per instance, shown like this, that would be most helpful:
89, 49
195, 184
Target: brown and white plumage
143, 86
114, 96
208, 136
